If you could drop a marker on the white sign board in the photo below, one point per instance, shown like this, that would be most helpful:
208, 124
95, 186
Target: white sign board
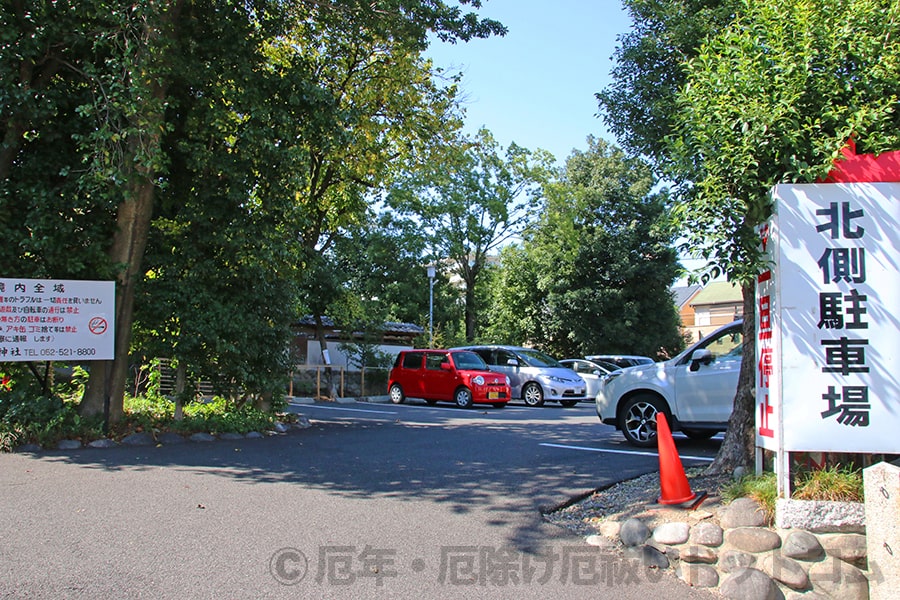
828, 325
56, 319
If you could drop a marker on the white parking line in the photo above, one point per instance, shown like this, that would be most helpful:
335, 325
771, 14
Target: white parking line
633, 452
362, 410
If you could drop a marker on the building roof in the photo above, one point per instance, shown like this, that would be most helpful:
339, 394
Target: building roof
388, 327
682, 294
718, 292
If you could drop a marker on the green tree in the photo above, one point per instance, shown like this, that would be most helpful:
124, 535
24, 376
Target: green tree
471, 200
639, 105
772, 99
100, 81
517, 311
603, 260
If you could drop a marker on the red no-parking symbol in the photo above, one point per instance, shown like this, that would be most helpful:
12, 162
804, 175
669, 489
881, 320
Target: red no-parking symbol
98, 325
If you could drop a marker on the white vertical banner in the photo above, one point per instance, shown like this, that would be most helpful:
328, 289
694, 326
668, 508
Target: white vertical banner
835, 330
56, 319
768, 364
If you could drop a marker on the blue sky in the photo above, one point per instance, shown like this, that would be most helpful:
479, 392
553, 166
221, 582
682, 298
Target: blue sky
536, 85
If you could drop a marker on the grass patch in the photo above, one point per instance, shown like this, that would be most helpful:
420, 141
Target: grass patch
761, 488
839, 484
834, 483
46, 420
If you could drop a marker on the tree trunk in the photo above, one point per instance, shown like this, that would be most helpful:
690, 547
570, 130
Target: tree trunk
739, 446
105, 390
180, 377
471, 311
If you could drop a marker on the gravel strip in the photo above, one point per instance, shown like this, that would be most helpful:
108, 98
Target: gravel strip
635, 497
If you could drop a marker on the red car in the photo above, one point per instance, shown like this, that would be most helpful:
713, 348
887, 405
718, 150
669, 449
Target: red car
457, 376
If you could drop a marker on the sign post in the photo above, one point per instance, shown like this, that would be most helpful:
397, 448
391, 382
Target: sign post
828, 336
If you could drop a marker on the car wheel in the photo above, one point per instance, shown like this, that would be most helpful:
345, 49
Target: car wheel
396, 393
463, 397
698, 434
568, 403
638, 419
533, 394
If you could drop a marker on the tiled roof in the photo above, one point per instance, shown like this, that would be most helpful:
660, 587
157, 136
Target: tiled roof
681, 294
388, 327
718, 292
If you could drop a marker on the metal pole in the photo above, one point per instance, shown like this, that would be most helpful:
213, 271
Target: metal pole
431, 306
431, 313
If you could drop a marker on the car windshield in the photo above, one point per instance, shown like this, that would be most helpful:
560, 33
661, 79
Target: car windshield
469, 361
535, 358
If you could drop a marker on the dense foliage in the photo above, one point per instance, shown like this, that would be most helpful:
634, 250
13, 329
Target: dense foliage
730, 97
594, 272
203, 153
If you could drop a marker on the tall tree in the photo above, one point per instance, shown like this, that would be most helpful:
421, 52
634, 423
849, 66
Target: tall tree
602, 252
471, 201
639, 104
123, 61
772, 99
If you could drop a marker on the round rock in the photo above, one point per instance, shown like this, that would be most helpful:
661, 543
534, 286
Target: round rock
672, 533
698, 554
103, 443
748, 584
734, 560
802, 545
634, 532
837, 579
743, 512
139, 439
698, 575
753, 539
786, 570
707, 534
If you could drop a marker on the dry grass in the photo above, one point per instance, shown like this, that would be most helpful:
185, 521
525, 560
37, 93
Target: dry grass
840, 484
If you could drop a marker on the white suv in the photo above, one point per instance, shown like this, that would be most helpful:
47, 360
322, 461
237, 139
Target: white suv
695, 390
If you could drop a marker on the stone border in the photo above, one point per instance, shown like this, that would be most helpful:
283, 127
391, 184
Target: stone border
736, 553
167, 438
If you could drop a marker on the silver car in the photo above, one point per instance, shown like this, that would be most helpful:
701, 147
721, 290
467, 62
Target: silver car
591, 371
534, 377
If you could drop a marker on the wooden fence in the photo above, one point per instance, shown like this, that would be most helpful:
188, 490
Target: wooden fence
337, 382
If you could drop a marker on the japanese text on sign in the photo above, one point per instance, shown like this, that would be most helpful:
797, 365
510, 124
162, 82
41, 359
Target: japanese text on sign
827, 337
46, 319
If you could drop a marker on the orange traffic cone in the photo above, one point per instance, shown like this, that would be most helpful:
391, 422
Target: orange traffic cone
673, 483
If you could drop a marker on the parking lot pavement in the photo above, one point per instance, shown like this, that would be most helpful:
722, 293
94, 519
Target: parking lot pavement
427, 497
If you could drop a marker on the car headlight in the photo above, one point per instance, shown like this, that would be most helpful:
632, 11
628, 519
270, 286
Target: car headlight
478, 380
606, 379
556, 379
508, 380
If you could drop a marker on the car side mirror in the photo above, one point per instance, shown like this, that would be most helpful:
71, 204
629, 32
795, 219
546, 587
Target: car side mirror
512, 362
446, 366
703, 356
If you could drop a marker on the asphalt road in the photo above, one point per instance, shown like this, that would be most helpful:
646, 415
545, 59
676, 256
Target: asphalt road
374, 500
